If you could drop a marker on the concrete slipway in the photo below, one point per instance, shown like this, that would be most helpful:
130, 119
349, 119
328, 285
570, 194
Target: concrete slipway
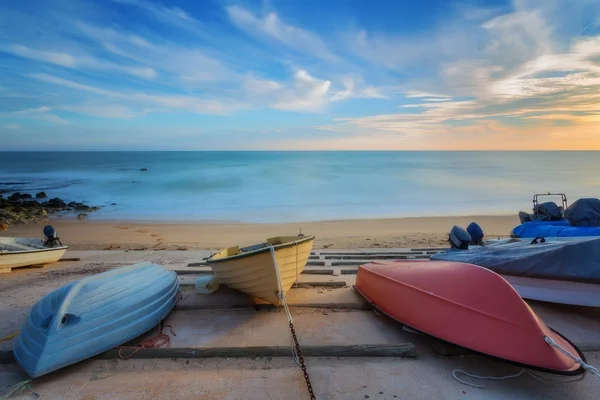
245, 349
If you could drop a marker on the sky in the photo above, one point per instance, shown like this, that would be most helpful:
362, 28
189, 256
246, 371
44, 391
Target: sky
300, 75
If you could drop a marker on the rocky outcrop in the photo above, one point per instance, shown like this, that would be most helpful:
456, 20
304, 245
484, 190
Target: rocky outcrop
41, 195
17, 209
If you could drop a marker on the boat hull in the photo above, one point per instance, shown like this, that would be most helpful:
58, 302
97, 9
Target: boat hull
22, 252
468, 306
93, 315
556, 291
253, 272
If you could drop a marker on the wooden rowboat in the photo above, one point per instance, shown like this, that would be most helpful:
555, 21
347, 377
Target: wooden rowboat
252, 269
90, 316
21, 252
469, 306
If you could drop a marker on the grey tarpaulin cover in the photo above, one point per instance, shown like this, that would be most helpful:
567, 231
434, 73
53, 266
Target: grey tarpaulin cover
584, 212
572, 260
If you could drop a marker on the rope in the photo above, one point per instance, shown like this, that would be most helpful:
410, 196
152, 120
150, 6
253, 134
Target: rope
283, 300
551, 342
18, 388
495, 378
154, 342
584, 365
9, 336
297, 265
296, 352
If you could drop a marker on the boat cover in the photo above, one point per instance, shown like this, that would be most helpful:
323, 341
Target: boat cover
573, 260
548, 211
584, 212
561, 228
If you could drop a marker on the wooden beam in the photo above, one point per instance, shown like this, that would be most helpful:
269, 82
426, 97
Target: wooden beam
365, 350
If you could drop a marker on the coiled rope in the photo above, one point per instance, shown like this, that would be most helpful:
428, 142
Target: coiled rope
550, 342
18, 388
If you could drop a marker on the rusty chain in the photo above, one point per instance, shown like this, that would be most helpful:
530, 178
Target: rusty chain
302, 365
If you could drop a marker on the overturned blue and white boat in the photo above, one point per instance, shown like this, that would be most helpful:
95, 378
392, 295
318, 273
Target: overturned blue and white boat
558, 270
87, 317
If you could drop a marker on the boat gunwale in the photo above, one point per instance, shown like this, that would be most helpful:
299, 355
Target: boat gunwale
259, 251
575, 372
32, 250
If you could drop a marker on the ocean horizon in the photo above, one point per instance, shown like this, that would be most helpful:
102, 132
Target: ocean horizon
299, 186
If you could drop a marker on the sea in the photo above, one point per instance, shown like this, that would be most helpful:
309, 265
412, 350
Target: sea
289, 186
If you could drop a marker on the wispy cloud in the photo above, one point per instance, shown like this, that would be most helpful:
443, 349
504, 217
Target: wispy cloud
272, 27
41, 113
188, 103
76, 61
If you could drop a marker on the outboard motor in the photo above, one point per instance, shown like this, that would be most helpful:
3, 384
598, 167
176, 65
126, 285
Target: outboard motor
51, 237
459, 238
476, 233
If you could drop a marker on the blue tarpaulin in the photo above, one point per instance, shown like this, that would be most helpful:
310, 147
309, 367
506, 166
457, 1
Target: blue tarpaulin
560, 228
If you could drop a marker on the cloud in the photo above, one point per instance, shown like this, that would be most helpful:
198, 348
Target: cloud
173, 16
187, 103
41, 113
190, 65
76, 61
101, 110
272, 27
307, 93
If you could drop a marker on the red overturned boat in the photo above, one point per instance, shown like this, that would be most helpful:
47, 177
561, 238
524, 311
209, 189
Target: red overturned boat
468, 306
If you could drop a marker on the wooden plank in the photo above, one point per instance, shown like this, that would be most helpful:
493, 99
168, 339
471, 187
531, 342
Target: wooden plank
196, 264
344, 263
335, 284
361, 350
192, 272
307, 271
365, 350
349, 271
316, 263
378, 257
317, 271
268, 306
375, 253
432, 249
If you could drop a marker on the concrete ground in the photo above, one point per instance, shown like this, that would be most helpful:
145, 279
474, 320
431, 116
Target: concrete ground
323, 316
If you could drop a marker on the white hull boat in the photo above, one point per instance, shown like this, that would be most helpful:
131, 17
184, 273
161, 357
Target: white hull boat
22, 252
553, 291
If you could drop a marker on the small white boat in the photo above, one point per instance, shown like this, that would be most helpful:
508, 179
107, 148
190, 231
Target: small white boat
554, 291
556, 270
21, 252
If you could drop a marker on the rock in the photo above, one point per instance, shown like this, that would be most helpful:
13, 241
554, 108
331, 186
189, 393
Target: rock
26, 196
143, 169
41, 195
30, 204
82, 216
112, 204
83, 207
73, 204
55, 203
15, 196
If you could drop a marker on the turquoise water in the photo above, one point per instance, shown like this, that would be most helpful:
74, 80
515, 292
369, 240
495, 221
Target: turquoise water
300, 186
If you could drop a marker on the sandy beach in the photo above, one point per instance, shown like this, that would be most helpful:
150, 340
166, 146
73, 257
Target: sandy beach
342, 234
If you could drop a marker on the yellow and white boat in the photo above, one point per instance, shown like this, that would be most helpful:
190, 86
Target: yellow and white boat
257, 270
